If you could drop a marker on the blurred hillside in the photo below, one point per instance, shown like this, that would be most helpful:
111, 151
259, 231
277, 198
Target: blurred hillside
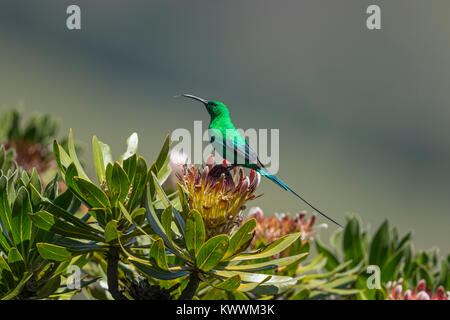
363, 115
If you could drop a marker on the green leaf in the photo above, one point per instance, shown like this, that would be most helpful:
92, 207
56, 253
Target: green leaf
163, 197
271, 264
21, 222
25, 179
111, 231
158, 255
353, 249
166, 221
183, 201
53, 252
212, 251
139, 181
98, 159
138, 216
69, 179
63, 214
6, 274
260, 283
379, 247
195, 232
444, 277
78, 247
241, 239
332, 261
157, 273
73, 156
35, 180
132, 146
16, 262
130, 165
48, 222
62, 158
5, 245
49, 287
335, 239
102, 215
93, 195
229, 284
272, 249
5, 209
158, 228
51, 190
301, 295
119, 182
130, 219
317, 263
390, 268
18, 289
404, 241
163, 154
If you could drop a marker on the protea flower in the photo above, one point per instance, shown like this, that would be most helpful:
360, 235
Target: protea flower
218, 194
395, 290
30, 140
31, 155
177, 160
271, 228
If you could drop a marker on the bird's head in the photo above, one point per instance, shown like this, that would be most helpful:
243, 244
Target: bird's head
214, 108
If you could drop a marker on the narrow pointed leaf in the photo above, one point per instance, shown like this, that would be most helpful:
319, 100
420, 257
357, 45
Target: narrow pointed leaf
157, 273
73, 156
158, 254
16, 262
98, 160
212, 252
18, 289
21, 222
163, 197
132, 146
48, 222
5, 209
6, 273
272, 249
379, 247
241, 238
111, 233
195, 232
229, 284
53, 252
163, 154
166, 221
119, 182
95, 196
139, 181
272, 264
332, 261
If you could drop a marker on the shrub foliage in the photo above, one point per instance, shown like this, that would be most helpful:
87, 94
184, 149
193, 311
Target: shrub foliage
131, 239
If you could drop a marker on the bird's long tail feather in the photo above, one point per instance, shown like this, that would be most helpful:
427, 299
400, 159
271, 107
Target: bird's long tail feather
286, 187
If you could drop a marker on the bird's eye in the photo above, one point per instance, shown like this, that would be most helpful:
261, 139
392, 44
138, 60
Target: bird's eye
214, 104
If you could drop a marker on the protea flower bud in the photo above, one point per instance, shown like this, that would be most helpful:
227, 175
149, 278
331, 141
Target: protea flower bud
395, 292
271, 228
422, 295
220, 196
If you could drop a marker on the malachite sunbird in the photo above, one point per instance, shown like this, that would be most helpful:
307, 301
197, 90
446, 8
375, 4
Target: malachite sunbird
233, 147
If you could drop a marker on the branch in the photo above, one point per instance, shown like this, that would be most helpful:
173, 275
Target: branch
192, 286
112, 273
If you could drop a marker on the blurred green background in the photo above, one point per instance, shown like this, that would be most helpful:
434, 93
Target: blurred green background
363, 115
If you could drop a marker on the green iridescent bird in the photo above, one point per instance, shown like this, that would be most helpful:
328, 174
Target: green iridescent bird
233, 147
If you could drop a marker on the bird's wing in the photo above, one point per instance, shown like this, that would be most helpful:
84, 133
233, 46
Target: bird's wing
242, 150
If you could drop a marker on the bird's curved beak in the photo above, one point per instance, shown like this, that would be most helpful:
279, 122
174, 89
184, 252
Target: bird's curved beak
205, 102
